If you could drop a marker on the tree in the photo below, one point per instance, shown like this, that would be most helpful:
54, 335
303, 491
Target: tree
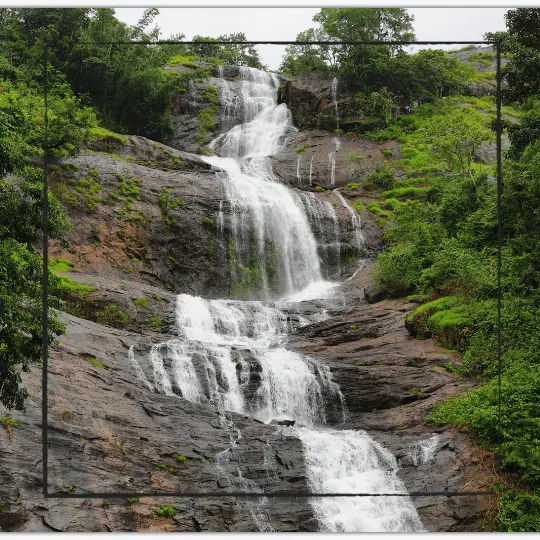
457, 137
520, 45
434, 74
366, 66
303, 59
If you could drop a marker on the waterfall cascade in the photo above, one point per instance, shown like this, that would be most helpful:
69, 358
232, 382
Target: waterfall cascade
231, 355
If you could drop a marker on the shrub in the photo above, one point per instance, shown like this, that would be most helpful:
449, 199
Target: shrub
166, 511
113, 315
383, 177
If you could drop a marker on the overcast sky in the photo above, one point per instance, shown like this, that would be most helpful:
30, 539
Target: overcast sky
460, 24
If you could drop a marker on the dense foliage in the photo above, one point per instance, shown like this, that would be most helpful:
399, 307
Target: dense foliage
442, 243
407, 78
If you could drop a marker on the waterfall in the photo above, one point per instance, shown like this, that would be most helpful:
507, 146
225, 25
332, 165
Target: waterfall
232, 355
352, 462
271, 210
424, 451
334, 100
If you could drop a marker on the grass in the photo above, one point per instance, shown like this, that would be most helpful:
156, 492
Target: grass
351, 186
408, 191
98, 132
183, 60
374, 208
358, 205
140, 302
60, 265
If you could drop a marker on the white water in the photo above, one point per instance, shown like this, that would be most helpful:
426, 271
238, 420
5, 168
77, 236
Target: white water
424, 451
271, 210
352, 462
355, 220
334, 99
231, 355
332, 160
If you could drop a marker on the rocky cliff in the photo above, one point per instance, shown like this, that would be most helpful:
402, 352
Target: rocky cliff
151, 221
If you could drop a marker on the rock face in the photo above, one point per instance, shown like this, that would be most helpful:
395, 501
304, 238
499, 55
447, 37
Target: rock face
317, 101
484, 61
151, 221
310, 158
147, 210
108, 433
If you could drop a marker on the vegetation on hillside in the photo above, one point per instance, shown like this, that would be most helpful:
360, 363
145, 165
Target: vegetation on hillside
438, 202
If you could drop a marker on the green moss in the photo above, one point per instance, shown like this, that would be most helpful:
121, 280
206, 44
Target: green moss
319, 188
164, 467
351, 186
208, 222
301, 149
353, 327
166, 511
67, 488
8, 423
446, 318
141, 302
156, 322
354, 158
95, 362
133, 500
387, 152
206, 117
112, 315
166, 204
358, 205
181, 459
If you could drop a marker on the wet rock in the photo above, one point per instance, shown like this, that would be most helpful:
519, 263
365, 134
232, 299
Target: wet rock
311, 158
109, 433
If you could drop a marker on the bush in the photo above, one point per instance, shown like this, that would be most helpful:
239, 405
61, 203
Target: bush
166, 511
112, 315
382, 177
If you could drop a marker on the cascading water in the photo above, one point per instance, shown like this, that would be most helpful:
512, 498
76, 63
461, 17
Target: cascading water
231, 355
334, 99
273, 212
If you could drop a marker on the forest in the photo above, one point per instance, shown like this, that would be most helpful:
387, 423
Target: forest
437, 203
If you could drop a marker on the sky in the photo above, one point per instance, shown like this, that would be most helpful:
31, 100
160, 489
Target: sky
260, 24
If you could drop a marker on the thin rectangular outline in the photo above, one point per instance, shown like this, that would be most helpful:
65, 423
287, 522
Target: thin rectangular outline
251, 495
